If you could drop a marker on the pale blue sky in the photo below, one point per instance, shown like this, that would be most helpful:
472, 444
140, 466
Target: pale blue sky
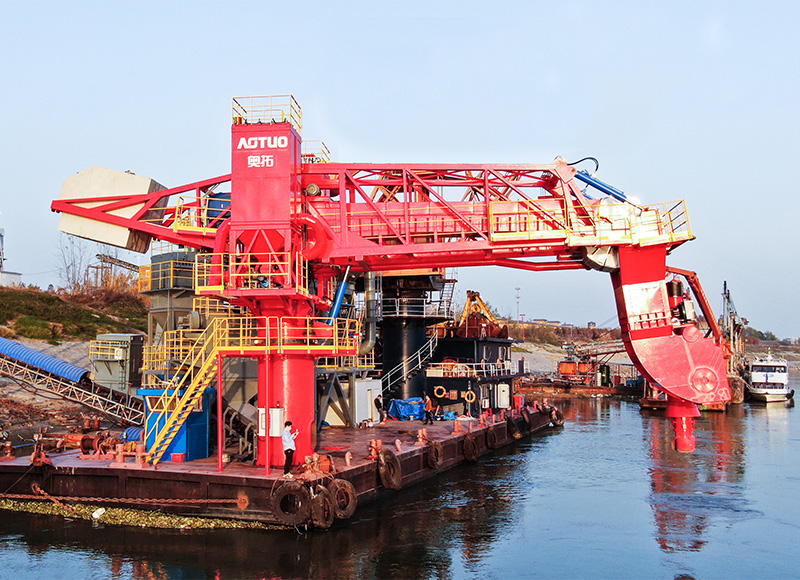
678, 100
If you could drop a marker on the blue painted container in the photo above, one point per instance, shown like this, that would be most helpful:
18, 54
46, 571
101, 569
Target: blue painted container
45, 362
193, 439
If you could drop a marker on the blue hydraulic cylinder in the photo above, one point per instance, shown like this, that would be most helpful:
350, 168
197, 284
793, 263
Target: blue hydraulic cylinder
338, 299
586, 177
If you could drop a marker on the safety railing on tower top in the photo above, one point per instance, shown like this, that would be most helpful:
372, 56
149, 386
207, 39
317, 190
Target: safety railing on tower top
267, 109
108, 350
416, 308
170, 268
166, 275
203, 215
315, 151
468, 369
221, 273
359, 362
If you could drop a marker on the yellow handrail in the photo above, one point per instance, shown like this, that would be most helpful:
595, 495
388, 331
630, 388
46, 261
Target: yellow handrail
267, 109
238, 271
182, 402
606, 223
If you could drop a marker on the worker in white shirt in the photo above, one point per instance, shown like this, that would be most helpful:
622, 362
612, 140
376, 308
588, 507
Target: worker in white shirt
287, 437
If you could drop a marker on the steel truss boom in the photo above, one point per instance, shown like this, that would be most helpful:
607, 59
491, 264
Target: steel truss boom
291, 228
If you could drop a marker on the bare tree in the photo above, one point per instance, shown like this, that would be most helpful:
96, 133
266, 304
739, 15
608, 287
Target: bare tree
74, 255
83, 264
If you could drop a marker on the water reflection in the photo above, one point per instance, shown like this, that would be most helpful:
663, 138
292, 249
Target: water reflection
690, 491
550, 506
424, 531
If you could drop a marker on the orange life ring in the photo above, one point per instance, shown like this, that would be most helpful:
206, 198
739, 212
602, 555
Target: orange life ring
439, 391
469, 396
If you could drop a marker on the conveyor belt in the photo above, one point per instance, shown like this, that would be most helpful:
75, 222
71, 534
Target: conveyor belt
127, 411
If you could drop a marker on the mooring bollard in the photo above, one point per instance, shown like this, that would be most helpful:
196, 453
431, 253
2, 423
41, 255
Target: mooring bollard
140, 455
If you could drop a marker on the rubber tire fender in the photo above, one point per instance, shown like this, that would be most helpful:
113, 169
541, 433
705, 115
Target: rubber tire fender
491, 438
345, 498
389, 469
322, 509
470, 447
526, 415
738, 389
292, 511
435, 455
557, 418
513, 430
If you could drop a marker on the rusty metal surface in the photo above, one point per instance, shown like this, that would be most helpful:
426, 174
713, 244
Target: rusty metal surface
244, 491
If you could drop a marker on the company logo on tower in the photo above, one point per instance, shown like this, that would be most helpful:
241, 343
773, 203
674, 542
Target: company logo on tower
275, 142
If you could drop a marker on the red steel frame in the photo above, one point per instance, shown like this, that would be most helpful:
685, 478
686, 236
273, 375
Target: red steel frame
398, 216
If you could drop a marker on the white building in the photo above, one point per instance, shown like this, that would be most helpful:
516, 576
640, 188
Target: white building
7, 278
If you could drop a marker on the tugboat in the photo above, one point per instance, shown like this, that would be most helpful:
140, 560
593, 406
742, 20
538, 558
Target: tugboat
768, 380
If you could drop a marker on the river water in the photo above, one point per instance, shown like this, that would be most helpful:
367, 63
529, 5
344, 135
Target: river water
604, 497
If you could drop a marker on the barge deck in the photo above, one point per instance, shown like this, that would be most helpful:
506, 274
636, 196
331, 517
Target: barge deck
359, 471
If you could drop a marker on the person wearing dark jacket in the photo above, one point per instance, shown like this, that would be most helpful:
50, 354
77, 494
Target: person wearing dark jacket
379, 407
428, 411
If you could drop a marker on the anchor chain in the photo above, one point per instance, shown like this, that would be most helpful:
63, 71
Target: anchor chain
39, 493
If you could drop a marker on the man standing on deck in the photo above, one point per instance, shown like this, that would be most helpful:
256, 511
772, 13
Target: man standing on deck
287, 437
379, 407
428, 410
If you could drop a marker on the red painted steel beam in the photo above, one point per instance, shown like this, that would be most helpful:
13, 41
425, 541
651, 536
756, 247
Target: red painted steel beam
102, 207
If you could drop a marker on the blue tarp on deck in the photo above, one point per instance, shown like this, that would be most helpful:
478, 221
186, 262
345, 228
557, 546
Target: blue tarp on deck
407, 409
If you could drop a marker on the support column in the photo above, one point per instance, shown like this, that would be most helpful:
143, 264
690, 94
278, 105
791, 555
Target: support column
292, 389
262, 453
220, 420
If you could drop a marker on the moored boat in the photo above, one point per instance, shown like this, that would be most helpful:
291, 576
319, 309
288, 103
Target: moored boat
768, 380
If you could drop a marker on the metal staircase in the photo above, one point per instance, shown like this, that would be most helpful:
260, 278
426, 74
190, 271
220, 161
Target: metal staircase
181, 394
446, 297
410, 366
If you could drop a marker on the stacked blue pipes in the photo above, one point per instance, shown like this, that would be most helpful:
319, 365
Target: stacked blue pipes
50, 364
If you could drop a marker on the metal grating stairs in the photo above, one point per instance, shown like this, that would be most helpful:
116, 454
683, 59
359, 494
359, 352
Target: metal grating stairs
198, 371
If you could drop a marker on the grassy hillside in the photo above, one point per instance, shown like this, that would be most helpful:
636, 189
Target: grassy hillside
52, 317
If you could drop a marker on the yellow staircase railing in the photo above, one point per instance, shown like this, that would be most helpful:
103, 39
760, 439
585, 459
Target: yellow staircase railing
182, 393
228, 336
